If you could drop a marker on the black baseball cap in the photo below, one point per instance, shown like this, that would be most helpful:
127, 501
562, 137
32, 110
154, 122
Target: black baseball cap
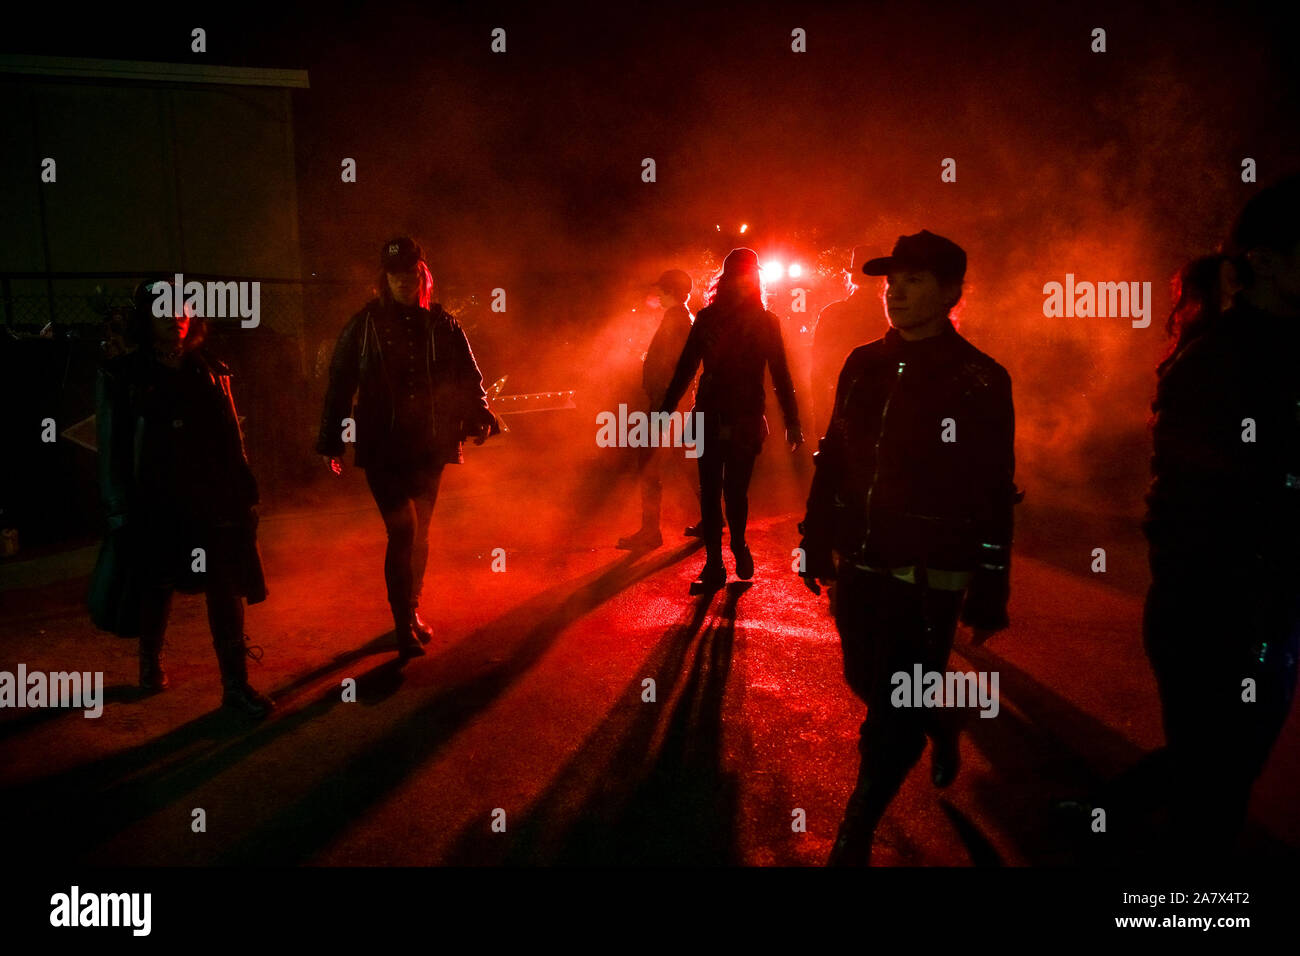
400, 254
923, 252
142, 299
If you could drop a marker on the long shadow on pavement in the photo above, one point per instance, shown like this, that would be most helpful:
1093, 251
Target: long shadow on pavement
648, 785
469, 677
72, 812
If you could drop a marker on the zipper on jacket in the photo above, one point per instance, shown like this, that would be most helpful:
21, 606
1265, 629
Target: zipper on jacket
875, 474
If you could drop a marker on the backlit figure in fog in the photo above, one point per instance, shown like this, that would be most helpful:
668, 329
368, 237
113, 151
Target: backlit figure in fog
734, 339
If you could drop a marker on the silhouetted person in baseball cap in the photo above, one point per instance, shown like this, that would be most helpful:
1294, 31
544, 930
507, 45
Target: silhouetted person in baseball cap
661, 356
419, 396
910, 515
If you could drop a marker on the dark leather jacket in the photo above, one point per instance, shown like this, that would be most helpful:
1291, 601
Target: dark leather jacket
358, 368
890, 492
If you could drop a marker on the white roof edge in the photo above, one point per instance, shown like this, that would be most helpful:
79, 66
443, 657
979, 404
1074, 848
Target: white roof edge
158, 72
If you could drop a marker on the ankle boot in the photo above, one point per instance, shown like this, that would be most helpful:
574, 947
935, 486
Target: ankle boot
408, 645
744, 560
712, 576
237, 693
421, 628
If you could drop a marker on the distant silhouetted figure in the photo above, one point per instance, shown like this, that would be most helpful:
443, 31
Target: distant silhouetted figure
419, 396
841, 327
734, 337
1222, 617
656, 372
180, 497
910, 510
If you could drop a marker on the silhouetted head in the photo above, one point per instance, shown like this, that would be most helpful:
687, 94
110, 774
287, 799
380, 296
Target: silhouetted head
675, 285
740, 282
1259, 264
160, 318
1264, 248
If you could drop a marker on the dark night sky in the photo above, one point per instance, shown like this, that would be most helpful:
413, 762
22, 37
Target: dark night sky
545, 142
524, 168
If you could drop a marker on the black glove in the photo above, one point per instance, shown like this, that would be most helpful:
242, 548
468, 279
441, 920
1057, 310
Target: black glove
818, 563
985, 607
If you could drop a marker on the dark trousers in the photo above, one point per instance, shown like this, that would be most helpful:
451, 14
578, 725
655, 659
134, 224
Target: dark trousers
887, 626
651, 464
225, 620
405, 495
725, 470
1205, 639
166, 542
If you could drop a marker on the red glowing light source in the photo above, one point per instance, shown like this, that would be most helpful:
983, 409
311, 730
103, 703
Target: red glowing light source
772, 271
796, 270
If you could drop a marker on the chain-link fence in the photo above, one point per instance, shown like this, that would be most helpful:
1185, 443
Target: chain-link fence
72, 302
